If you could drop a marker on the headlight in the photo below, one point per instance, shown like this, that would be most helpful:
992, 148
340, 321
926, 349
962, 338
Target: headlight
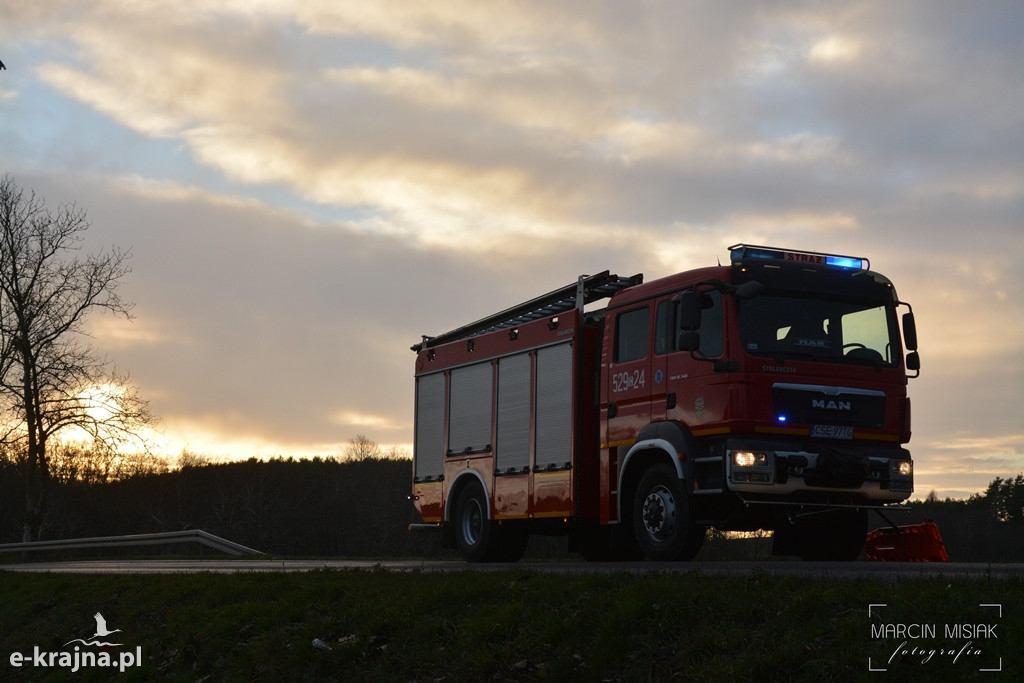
901, 475
752, 467
748, 458
902, 468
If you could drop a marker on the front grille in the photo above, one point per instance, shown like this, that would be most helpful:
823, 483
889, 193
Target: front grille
813, 404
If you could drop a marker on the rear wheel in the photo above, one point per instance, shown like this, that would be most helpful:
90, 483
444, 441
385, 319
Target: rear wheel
662, 521
478, 538
472, 527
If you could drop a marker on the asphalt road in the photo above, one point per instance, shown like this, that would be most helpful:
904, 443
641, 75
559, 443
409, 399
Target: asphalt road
886, 571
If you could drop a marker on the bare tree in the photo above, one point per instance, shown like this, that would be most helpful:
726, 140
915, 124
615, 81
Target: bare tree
51, 379
361, 447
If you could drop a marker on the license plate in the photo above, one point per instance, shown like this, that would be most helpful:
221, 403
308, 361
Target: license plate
831, 432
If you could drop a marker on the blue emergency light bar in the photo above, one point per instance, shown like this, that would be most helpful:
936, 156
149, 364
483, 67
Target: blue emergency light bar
742, 251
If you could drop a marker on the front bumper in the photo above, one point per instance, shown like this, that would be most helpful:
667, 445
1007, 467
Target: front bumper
881, 475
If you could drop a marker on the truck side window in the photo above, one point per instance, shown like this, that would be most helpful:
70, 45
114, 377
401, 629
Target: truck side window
631, 335
711, 325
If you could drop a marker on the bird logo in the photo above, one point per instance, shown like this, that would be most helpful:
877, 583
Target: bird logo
101, 632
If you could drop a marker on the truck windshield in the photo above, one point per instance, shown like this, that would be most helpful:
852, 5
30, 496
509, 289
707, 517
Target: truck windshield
820, 329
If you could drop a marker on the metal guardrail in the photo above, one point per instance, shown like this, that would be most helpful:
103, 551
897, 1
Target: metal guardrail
167, 537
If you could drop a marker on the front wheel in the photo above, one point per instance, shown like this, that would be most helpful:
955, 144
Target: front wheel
662, 521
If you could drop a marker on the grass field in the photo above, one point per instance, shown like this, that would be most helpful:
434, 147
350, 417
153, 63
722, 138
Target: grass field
514, 625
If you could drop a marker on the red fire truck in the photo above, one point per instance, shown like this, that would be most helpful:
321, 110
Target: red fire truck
769, 393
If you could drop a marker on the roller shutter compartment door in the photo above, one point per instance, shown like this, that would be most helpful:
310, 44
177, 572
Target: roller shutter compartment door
428, 450
554, 407
469, 417
512, 450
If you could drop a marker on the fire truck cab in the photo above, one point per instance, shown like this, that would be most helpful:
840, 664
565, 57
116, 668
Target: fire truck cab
768, 393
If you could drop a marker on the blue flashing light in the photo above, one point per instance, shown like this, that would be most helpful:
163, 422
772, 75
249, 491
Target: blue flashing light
845, 262
782, 418
749, 251
743, 251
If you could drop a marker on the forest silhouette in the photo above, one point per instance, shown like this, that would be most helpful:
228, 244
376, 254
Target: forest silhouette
357, 505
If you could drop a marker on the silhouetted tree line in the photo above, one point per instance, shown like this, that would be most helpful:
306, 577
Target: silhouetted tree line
357, 505
349, 506
987, 527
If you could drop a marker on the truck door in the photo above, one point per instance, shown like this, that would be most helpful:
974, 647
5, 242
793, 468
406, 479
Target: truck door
629, 379
695, 393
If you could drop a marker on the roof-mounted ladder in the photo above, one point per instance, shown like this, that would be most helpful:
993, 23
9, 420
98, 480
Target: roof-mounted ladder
586, 289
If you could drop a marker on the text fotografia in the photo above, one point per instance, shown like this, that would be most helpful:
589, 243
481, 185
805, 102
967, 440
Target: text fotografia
77, 659
968, 644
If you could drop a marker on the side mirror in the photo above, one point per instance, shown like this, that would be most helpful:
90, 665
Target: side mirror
910, 331
914, 363
691, 304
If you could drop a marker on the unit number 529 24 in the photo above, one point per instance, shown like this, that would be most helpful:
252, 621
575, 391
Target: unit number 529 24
624, 381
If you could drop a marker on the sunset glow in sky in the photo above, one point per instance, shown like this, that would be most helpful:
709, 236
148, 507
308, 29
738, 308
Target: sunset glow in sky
308, 187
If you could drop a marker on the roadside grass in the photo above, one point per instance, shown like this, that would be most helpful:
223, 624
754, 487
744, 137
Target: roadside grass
507, 625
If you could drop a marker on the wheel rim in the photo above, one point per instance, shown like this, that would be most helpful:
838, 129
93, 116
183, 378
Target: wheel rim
659, 513
472, 522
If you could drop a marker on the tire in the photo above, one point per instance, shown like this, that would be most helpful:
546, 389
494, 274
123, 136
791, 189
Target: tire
473, 530
662, 521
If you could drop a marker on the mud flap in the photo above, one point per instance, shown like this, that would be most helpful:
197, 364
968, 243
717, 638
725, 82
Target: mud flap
909, 543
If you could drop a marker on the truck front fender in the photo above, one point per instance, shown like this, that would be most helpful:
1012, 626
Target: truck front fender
669, 450
658, 442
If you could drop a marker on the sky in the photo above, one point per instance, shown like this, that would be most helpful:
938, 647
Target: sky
306, 188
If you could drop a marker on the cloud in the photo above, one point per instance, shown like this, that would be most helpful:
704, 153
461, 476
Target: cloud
121, 333
528, 103
833, 49
308, 187
355, 420
963, 463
